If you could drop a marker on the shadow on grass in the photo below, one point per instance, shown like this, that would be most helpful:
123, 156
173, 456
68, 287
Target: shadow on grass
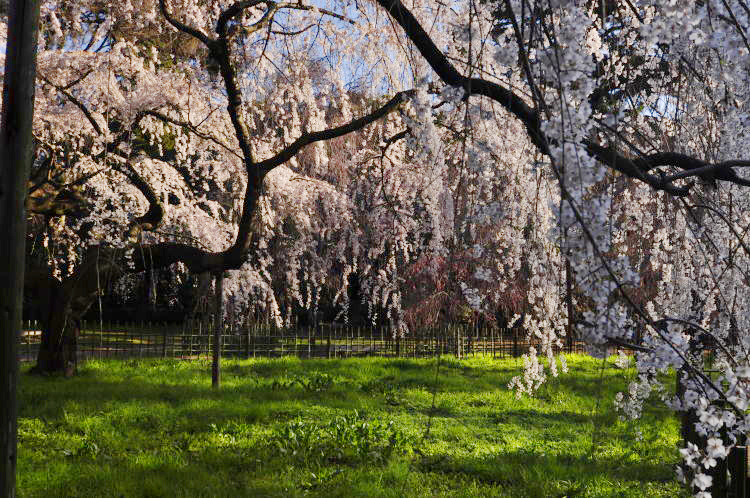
240, 474
517, 469
540, 418
55, 399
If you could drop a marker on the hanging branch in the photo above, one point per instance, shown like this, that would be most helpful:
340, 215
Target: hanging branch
634, 168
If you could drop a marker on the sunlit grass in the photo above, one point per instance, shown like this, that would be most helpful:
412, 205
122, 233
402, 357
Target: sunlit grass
156, 428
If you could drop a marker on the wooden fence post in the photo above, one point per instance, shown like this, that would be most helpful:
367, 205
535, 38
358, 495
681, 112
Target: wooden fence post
218, 327
328, 344
247, 342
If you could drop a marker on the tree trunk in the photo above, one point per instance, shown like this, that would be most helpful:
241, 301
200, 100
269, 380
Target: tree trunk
59, 307
57, 351
16, 155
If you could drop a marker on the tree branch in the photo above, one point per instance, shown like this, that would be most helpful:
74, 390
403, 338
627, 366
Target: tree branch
325, 12
75, 101
316, 136
195, 33
193, 129
634, 168
472, 86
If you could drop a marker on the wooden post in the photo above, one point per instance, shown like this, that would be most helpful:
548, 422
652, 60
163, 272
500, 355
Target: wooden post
16, 156
569, 303
328, 344
28, 341
382, 342
737, 462
492, 338
247, 341
218, 326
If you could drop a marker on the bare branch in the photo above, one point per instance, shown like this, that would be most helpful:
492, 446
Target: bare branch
635, 168
193, 129
195, 33
325, 12
472, 86
236, 9
317, 136
75, 101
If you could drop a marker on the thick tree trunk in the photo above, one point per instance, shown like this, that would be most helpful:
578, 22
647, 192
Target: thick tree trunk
59, 307
58, 349
16, 152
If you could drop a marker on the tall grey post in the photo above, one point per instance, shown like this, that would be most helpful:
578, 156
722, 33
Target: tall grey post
16, 152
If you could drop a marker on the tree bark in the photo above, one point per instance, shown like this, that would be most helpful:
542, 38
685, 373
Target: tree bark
60, 306
218, 326
60, 329
16, 152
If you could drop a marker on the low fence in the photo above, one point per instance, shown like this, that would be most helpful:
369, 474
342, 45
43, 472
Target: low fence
143, 340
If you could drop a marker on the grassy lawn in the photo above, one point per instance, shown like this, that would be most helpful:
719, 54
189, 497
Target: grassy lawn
354, 427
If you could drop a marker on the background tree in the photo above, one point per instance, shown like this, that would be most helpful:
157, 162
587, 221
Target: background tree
134, 122
130, 124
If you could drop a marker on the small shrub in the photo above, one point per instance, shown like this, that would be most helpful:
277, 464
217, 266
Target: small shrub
299, 440
350, 438
314, 382
356, 438
317, 382
377, 386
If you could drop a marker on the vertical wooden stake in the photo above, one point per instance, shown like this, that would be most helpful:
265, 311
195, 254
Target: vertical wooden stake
569, 303
218, 326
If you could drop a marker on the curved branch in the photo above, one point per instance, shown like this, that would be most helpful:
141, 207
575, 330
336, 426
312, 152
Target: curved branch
692, 166
325, 12
155, 213
472, 86
195, 33
632, 168
154, 216
316, 136
76, 102
236, 9
635, 168
194, 129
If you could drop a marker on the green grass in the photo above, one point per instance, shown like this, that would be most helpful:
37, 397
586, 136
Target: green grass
354, 427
